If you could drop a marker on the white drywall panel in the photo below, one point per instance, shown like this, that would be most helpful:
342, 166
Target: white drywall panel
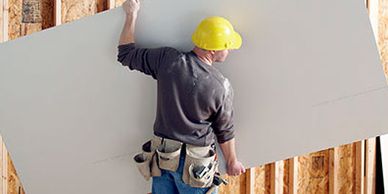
307, 77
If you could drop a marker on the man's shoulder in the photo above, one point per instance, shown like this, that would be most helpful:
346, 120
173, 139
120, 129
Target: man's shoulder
221, 79
171, 51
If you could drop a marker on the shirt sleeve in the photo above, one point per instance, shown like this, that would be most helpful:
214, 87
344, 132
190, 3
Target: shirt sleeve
146, 60
223, 124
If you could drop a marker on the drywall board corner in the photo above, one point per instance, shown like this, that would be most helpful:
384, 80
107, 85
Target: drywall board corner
307, 77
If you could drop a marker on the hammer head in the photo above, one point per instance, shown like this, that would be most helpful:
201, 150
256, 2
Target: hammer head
218, 181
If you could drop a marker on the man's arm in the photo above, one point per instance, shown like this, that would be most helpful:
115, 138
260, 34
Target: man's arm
131, 7
234, 167
146, 60
223, 126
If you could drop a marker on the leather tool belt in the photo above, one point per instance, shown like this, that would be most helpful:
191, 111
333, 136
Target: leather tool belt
158, 153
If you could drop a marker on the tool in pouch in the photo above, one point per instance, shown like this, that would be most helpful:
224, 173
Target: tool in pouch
200, 166
147, 160
200, 163
217, 181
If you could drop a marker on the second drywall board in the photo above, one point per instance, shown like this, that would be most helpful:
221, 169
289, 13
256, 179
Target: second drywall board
307, 77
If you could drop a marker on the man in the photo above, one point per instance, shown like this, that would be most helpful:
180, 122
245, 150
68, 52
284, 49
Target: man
194, 100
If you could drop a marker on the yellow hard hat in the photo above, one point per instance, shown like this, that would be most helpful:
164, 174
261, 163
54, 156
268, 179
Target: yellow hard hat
216, 33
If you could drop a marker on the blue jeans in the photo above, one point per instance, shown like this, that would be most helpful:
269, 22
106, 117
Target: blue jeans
171, 182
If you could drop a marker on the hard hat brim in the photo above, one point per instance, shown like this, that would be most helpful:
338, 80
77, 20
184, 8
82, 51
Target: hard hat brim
237, 41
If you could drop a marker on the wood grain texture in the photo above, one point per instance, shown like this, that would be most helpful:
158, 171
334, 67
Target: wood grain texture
2, 168
279, 177
15, 19
75, 9
111, 4
269, 178
293, 174
370, 166
345, 169
359, 166
29, 28
383, 33
1, 21
119, 3
236, 185
260, 179
31, 11
313, 172
286, 176
250, 181
102, 5
48, 13
14, 184
332, 173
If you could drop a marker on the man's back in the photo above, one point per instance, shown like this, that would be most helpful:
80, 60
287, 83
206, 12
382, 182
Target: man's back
194, 99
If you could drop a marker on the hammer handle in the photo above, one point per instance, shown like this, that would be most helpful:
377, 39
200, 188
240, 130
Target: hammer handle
212, 188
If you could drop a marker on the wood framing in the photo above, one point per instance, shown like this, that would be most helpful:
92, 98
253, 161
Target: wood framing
4, 171
332, 174
58, 12
293, 169
359, 166
5, 21
370, 166
111, 4
1, 20
271, 181
250, 181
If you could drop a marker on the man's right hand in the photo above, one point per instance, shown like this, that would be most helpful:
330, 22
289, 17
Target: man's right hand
235, 168
131, 6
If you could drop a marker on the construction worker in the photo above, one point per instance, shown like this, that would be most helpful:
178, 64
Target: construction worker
194, 100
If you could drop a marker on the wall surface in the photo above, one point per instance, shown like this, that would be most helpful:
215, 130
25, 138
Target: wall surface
308, 77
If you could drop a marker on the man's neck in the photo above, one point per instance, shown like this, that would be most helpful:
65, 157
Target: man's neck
203, 55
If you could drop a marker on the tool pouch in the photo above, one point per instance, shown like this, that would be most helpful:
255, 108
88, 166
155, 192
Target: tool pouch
197, 159
155, 170
143, 164
146, 160
169, 154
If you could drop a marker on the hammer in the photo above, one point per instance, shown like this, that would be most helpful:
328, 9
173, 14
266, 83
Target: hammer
217, 181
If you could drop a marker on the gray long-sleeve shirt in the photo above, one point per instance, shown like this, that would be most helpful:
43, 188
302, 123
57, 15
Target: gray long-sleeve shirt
194, 100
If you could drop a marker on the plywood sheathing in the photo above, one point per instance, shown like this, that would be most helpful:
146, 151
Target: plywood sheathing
24, 17
31, 11
15, 19
313, 172
119, 3
345, 169
75, 9
14, 184
383, 33
29, 28
236, 184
